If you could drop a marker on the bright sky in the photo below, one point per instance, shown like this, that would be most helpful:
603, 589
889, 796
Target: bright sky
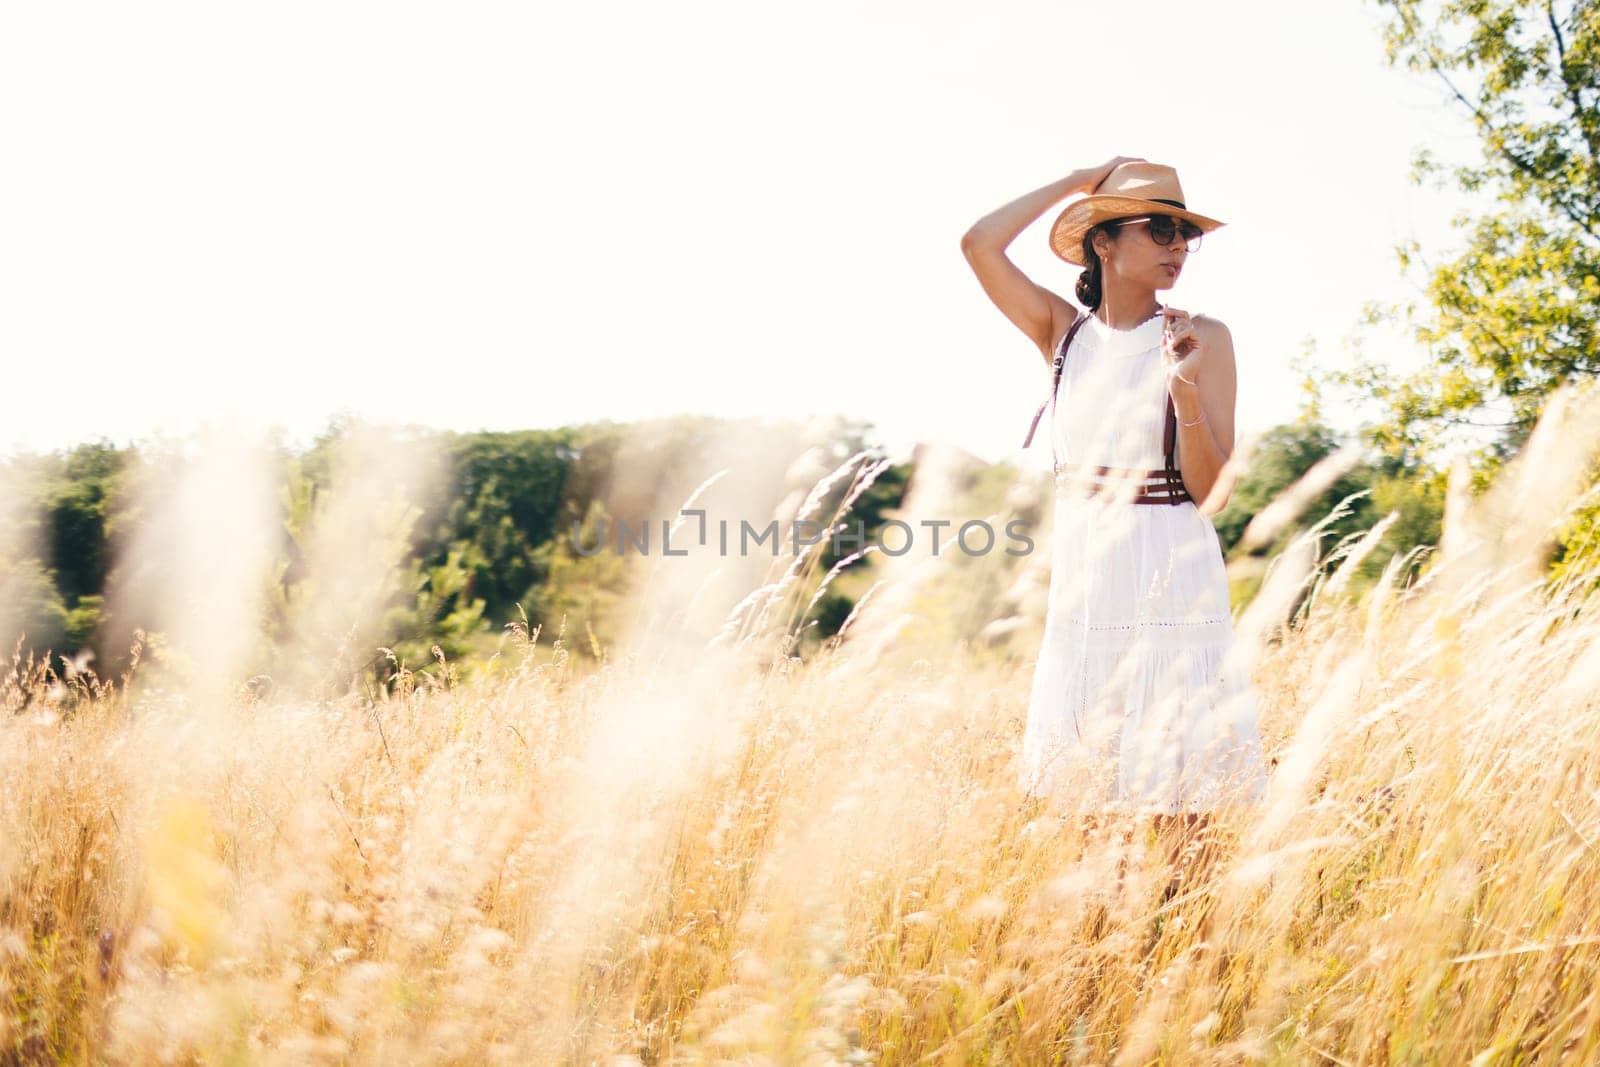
507, 215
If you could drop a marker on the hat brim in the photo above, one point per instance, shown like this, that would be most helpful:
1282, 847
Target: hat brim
1066, 235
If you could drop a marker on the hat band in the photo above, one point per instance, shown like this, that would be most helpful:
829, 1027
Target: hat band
1174, 203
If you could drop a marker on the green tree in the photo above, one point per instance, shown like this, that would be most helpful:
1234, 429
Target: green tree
1513, 314
33, 612
1373, 489
503, 501
1282, 455
79, 512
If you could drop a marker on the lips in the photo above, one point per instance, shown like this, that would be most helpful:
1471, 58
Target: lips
1173, 267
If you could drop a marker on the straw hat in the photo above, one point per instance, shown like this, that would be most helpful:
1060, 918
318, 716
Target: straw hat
1130, 189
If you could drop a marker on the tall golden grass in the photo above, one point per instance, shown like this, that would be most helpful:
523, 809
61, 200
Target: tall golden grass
707, 850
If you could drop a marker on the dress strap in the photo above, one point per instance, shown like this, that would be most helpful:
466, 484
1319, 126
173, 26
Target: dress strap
1055, 375
1178, 493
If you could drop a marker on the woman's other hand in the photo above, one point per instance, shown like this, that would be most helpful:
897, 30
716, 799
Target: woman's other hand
1183, 353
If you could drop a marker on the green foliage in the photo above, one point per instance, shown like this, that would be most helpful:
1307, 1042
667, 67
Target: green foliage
59, 549
499, 542
582, 591
869, 509
83, 622
1577, 546
1514, 313
438, 613
503, 501
33, 606
1283, 454
78, 514
831, 612
1371, 490
1418, 500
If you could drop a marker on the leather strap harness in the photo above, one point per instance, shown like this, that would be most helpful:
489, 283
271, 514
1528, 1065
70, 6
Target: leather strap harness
1162, 486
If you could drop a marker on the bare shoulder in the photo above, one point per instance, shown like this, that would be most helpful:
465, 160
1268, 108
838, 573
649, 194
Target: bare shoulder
1214, 334
1212, 327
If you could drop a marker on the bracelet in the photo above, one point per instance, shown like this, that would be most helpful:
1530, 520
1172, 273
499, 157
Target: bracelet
1196, 422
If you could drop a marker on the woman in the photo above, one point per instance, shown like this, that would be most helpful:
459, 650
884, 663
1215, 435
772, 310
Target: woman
1137, 704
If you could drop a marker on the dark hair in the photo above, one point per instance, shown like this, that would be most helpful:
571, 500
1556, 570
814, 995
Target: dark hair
1089, 282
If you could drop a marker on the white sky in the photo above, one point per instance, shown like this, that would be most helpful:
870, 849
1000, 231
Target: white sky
480, 215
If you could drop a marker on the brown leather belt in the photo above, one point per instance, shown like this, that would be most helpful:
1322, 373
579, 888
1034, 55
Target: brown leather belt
1115, 483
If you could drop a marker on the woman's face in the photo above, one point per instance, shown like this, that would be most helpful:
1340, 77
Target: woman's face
1134, 256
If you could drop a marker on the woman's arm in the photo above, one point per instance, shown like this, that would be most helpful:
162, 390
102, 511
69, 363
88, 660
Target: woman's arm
1204, 447
1035, 310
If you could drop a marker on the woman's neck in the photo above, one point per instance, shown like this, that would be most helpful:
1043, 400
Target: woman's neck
1123, 312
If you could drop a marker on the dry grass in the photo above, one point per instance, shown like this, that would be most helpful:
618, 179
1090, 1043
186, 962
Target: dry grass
690, 856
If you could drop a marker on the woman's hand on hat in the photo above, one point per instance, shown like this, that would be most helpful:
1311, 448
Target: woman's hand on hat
1183, 353
1112, 164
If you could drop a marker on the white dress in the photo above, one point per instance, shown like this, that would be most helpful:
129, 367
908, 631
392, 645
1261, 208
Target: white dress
1136, 703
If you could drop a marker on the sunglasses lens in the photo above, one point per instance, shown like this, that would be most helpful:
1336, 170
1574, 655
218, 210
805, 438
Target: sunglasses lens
1163, 228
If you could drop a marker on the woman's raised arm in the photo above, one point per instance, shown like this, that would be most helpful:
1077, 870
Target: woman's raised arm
1035, 310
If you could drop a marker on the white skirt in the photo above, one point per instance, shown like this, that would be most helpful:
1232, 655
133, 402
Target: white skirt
1138, 702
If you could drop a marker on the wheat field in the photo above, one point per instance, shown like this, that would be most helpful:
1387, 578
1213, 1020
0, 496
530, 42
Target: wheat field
692, 851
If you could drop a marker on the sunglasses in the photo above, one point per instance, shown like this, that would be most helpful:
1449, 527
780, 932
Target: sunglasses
1163, 228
